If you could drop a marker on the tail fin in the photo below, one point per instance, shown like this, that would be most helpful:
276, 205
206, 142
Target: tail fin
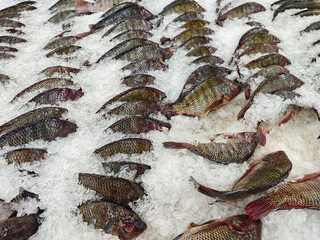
167, 110
260, 208
82, 35
262, 129
243, 111
176, 145
205, 190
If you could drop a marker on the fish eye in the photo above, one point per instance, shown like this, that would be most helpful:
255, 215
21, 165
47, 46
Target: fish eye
128, 228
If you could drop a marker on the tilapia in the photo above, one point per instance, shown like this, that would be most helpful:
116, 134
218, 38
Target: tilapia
201, 51
4, 78
188, 16
44, 84
238, 227
137, 125
312, 27
61, 70
145, 66
7, 23
268, 60
261, 175
117, 7
66, 50
195, 42
116, 190
11, 40
258, 38
61, 42
190, 33
47, 129
260, 48
113, 219
211, 60
139, 93
125, 146
138, 33
5, 49
6, 56
25, 155
55, 95
117, 167
223, 148
195, 23
17, 9
139, 107
303, 193
182, 8
65, 15
138, 80
61, 5
29, 117
11, 15
296, 5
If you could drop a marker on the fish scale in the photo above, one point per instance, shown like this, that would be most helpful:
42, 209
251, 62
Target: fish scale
140, 107
188, 16
148, 51
25, 155
55, 95
190, 33
145, 66
60, 42
182, 8
138, 33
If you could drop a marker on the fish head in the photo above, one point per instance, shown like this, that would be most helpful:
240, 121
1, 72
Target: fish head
131, 229
232, 88
244, 225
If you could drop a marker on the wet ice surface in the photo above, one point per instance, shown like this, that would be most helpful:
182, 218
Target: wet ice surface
171, 203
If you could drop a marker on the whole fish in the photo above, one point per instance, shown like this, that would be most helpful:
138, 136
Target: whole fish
11, 40
125, 146
252, 32
145, 66
312, 27
46, 129
211, 60
4, 78
188, 16
61, 70
261, 175
137, 125
258, 38
113, 219
14, 31
296, 5
7, 23
117, 7
260, 48
55, 95
5, 49
195, 23
138, 80
134, 23
117, 167
174, 3
61, 42
66, 50
116, 190
17, 9
139, 107
65, 15
25, 155
194, 42
223, 148
202, 51
44, 84
6, 56
190, 33
10, 15
267, 60
61, 5
139, 93
307, 13
238, 227
182, 8
303, 193
138, 33
271, 85
29, 117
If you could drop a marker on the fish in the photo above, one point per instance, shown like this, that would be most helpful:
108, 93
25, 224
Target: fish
66, 50
194, 42
271, 85
190, 33
61, 70
139, 107
44, 84
10, 15
124, 146
116, 190
55, 95
262, 174
31, 116
125, 46
144, 52
20, 228
96, 6
260, 48
61, 5
307, 13
242, 10
303, 193
117, 167
202, 51
258, 38
182, 8
139, 93
6, 56
7, 23
137, 125
117, 7
144, 66
11, 40
47, 129
66, 15
138, 80
296, 5
17, 9
23, 155
113, 219
14, 31
267, 60
195, 23
210, 60
61, 42
138, 33
252, 32
254, 24
134, 23
5, 49
188, 16
4, 78
223, 148
312, 27
238, 227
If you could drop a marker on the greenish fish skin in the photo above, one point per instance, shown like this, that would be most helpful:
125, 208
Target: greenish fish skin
138, 80
190, 33
210, 60
61, 42
195, 23
182, 8
117, 167
188, 16
17, 9
202, 51
258, 38
66, 50
145, 66
132, 108
260, 48
268, 60
61, 70
195, 42
252, 32
61, 5
130, 34
23, 155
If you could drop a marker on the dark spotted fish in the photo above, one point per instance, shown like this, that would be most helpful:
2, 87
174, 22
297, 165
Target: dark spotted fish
4, 78
261, 175
182, 8
25, 155
113, 219
195, 42
138, 33
5, 49
303, 193
55, 95
66, 50
238, 227
267, 60
195, 23
138, 80
125, 146
188, 16
61, 42
258, 38
139, 93
117, 167
145, 66
44, 84
28, 117
202, 51
223, 148
211, 60
7, 23
137, 125
66, 15
61, 70
11, 40
46, 129
132, 108
6, 56
116, 190
260, 48
190, 33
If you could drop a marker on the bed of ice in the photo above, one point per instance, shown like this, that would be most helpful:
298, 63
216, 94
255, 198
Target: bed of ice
171, 203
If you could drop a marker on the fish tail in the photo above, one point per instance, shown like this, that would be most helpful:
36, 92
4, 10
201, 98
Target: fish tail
243, 111
262, 129
176, 145
167, 110
260, 208
82, 35
205, 190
